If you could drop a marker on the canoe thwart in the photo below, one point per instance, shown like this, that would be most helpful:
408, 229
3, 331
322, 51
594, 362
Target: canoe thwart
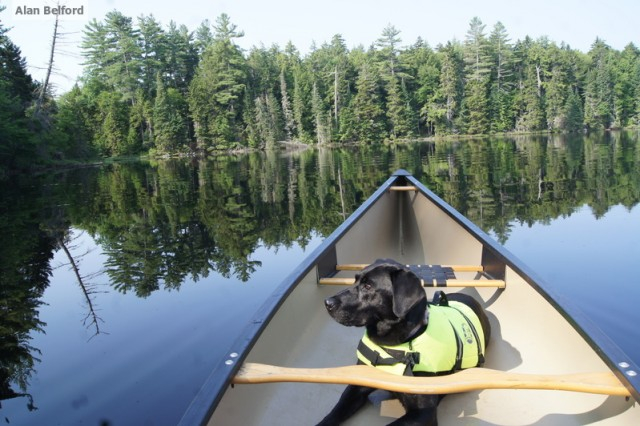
447, 283
402, 188
456, 268
604, 383
430, 275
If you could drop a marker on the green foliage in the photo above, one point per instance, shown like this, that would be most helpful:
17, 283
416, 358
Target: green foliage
368, 112
170, 123
215, 91
599, 95
147, 87
573, 114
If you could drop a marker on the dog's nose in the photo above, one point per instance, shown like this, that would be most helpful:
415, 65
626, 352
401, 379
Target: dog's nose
330, 303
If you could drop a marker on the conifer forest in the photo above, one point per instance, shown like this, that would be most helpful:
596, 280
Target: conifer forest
151, 88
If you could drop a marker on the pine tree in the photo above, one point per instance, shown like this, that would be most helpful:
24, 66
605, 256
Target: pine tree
529, 99
448, 98
573, 115
388, 44
599, 96
181, 58
216, 90
113, 54
626, 79
321, 119
478, 68
501, 81
287, 112
154, 49
367, 108
170, 129
399, 113
529, 102
421, 62
301, 110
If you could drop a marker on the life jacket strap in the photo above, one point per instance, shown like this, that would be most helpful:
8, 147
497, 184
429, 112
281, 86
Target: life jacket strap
409, 359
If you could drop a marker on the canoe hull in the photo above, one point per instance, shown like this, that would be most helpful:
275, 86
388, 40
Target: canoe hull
530, 332
289, 342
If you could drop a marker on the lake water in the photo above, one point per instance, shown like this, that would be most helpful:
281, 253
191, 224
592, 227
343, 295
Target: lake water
121, 286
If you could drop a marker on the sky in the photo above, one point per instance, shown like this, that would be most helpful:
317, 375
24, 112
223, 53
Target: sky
360, 22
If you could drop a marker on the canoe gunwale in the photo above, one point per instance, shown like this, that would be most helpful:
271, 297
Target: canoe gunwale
609, 352
206, 400
208, 397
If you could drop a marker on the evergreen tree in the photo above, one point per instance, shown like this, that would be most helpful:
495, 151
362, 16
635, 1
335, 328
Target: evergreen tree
599, 97
388, 44
72, 124
216, 90
154, 50
626, 80
573, 115
287, 111
13, 70
528, 99
341, 72
113, 54
321, 118
367, 109
478, 68
445, 108
17, 143
530, 113
422, 63
501, 81
301, 104
203, 37
181, 58
170, 129
112, 124
399, 112
476, 50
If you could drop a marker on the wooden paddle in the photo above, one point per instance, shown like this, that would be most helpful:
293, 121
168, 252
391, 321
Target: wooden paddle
604, 383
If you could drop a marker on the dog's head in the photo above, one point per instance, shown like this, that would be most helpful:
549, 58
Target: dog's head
385, 293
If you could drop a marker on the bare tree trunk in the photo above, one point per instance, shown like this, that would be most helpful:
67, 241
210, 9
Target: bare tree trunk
538, 69
92, 318
335, 94
45, 85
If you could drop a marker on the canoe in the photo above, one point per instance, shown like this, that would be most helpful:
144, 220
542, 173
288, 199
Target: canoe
546, 363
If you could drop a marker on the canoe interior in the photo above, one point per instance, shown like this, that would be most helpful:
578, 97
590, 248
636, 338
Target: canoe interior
528, 334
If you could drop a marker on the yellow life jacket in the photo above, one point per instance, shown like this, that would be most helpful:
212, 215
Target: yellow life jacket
453, 340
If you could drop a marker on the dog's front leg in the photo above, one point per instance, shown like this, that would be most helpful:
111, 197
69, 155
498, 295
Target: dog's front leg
421, 410
352, 399
417, 418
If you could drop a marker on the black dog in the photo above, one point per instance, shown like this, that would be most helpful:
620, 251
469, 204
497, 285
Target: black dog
390, 302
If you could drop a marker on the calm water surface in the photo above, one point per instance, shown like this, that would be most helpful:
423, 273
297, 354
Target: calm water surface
121, 286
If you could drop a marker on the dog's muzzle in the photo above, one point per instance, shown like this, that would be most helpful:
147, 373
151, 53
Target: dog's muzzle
330, 303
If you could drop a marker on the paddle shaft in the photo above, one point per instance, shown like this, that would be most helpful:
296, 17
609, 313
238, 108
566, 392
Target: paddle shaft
604, 383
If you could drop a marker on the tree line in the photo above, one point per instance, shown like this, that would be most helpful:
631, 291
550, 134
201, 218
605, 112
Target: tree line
164, 89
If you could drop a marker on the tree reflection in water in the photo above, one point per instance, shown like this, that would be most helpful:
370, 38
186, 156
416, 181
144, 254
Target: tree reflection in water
160, 223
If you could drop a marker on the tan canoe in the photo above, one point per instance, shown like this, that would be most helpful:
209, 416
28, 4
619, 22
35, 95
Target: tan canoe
547, 364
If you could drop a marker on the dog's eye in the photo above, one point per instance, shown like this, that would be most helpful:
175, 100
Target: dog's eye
364, 282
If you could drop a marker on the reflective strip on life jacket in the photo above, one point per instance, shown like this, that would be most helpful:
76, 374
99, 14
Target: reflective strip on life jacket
453, 340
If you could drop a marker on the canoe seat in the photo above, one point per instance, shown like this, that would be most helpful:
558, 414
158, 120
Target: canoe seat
430, 275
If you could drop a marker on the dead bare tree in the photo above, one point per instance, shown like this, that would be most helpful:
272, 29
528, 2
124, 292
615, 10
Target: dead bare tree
89, 290
45, 85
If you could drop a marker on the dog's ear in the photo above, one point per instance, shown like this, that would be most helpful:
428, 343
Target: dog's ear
407, 291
